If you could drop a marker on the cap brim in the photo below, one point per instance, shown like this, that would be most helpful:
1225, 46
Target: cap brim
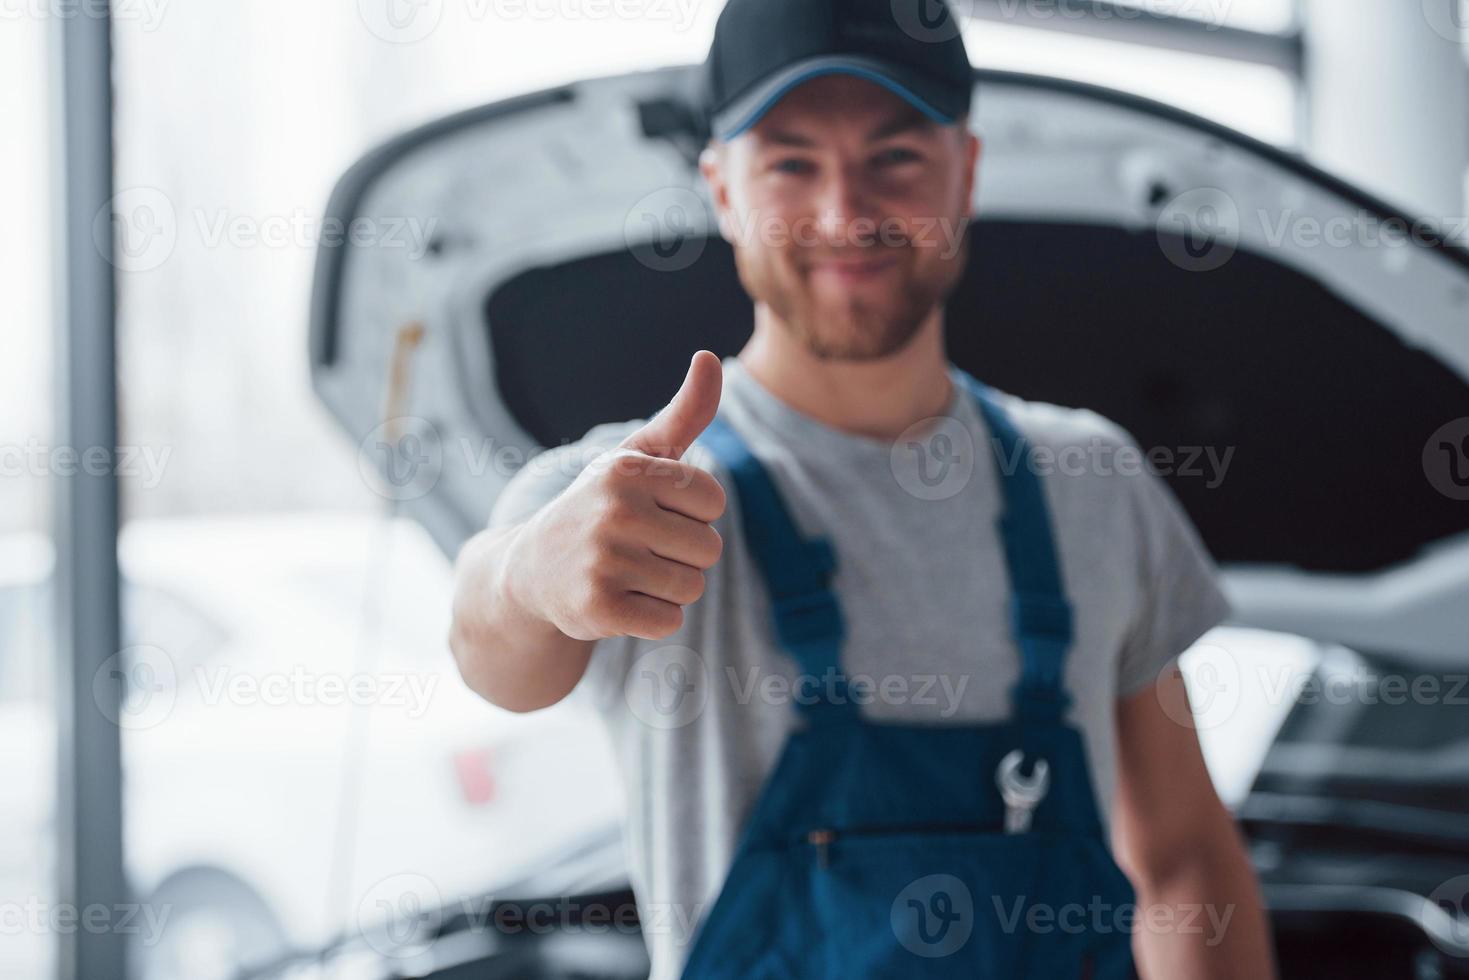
933, 99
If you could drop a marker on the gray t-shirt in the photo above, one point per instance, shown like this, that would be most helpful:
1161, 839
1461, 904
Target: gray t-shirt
697, 720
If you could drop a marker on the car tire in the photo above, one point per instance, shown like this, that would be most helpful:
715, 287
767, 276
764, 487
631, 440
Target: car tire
204, 924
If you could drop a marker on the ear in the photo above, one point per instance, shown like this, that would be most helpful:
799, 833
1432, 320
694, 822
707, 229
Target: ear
712, 161
973, 151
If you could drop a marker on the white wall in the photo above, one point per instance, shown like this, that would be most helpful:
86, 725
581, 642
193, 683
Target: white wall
1388, 91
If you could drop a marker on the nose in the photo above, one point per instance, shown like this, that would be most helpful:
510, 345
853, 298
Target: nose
842, 200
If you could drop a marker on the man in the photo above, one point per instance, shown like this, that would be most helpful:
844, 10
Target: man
842, 168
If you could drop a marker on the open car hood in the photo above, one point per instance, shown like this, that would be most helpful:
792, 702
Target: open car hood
1126, 257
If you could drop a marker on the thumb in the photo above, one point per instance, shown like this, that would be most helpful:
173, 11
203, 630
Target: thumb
670, 433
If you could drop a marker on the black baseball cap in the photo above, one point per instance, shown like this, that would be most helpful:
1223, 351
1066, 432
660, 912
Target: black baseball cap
764, 48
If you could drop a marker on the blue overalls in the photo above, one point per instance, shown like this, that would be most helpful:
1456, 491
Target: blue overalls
914, 850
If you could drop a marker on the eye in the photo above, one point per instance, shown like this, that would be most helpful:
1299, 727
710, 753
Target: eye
895, 156
794, 166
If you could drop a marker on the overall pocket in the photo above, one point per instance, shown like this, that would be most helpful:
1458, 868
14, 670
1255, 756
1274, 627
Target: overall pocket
944, 901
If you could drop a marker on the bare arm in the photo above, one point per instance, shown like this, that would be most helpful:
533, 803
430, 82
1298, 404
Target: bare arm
618, 553
1199, 909
506, 654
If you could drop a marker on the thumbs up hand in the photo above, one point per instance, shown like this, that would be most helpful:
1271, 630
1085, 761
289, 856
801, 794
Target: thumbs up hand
625, 547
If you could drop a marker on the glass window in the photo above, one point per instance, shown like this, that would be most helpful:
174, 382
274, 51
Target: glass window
27, 722
297, 734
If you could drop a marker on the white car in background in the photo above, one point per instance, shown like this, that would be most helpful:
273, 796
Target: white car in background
301, 759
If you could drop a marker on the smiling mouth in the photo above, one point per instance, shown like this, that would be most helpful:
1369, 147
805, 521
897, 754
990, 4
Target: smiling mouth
854, 270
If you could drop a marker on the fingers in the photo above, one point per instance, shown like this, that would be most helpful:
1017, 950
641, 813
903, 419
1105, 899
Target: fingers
669, 434
671, 484
649, 618
695, 494
670, 581
686, 541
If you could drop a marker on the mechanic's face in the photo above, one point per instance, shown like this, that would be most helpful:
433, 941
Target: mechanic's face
847, 210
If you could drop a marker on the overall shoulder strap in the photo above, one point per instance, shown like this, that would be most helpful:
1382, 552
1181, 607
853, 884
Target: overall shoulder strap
797, 573
1040, 615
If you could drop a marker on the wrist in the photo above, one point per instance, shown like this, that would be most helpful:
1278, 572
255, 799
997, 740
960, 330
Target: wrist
512, 589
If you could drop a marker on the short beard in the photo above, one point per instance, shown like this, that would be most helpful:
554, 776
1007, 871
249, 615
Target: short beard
860, 332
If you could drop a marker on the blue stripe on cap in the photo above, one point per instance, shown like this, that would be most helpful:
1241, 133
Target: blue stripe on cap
904, 93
